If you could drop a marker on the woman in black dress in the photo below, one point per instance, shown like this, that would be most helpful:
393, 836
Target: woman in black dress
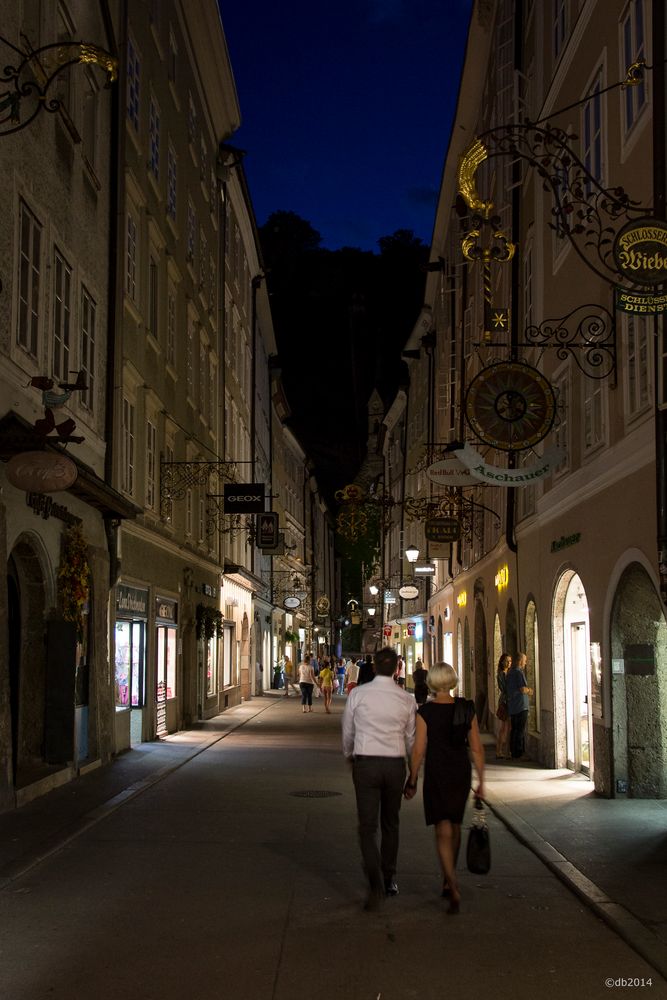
446, 728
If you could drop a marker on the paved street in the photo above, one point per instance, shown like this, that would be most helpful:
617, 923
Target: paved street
197, 866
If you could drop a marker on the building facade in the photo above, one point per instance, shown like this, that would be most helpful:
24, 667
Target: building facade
553, 385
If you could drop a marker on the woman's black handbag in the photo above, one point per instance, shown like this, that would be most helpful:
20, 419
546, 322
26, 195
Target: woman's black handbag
478, 851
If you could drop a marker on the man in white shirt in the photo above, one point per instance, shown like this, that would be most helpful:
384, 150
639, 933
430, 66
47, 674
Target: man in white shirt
378, 733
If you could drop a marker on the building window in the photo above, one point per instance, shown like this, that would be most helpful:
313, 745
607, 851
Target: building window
192, 120
637, 341
562, 427
151, 455
212, 400
30, 249
203, 261
201, 536
203, 159
189, 359
153, 294
133, 84
634, 48
87, 348
167, 505
592, 132
191, 234
131, 257
154, 139
188, 512
128, 446
203, 381
172, 59
214, 190
62, 315
89, 120
64, 34
171, 183
171, 326
560, 26
594, 422
212, 297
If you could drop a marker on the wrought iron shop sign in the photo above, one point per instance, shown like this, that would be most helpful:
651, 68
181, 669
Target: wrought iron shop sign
408, 592
442, 529
641, 303
267, 530
243, 498
640, 251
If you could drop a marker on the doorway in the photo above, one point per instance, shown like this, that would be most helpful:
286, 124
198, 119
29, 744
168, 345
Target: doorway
574, 741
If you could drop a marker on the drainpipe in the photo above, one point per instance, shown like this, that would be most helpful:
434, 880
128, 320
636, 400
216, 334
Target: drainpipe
114, 342
659, 196
255, 283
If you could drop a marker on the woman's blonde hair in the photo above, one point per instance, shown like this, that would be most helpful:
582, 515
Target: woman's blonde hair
442, 677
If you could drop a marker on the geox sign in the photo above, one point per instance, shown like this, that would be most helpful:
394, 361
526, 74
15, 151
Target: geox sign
243, 498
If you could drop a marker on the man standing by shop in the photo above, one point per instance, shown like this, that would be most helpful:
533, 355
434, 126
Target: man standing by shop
518, 693
378, 732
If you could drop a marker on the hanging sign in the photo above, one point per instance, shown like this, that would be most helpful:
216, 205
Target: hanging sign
408, 592
291, 603
243, 498
267, 530
642, 303
442, 529
640, 251
387, 630
450, 472
412, 628
278, 549
41, 471
495, 476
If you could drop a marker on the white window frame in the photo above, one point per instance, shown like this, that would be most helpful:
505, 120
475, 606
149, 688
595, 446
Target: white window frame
563, 430
153, 310
560, 26
172, 320
29, 285
637, 340
129, 445
151, 463
87, 341
172, 183
593, 128
632, 48
132, 253
133, 84
594, 424
63, 283
154, 138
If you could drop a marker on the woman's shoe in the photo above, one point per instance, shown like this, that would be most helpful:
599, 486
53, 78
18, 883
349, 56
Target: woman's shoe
446, 891
454, 907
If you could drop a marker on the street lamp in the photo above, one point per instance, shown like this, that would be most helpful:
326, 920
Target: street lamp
371, 611
374, 590
412, 553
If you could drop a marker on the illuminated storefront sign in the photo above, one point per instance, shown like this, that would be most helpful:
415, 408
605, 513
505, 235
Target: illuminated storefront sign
462, 599
502, 577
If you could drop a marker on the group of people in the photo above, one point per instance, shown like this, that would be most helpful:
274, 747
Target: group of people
381, 724
512, 709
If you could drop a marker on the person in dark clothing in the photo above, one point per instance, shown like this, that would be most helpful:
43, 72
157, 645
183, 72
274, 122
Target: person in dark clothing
366, 671
518, 693
419, 675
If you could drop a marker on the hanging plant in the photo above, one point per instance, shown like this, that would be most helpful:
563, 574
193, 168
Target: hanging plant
74, 576
291, 636
209, 622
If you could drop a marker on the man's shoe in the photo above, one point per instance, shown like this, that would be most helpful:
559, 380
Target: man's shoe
373, 902
390, 888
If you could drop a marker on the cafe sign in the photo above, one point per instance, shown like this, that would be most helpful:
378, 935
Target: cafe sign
640, 251
41, 472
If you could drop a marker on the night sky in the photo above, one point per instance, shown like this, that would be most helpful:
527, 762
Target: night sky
346, 109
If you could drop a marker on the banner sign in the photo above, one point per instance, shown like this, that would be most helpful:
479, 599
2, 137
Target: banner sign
412, 628
387, 631
243, 498
495, 476
267, 530
450, 472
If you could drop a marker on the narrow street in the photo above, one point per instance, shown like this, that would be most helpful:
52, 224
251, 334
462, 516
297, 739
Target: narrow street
227, 866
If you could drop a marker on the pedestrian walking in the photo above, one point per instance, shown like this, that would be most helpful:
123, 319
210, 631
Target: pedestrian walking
502, 738
378, 730
399, 676
366, 671
518, 693
446, 727
288, 672
340, 675
419, 678
351, 674
306, 683
325, 680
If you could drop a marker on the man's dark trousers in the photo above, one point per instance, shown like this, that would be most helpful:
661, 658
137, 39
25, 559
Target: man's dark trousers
378, 783
518, 733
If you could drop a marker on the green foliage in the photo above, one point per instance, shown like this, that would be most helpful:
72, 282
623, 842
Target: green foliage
209, 622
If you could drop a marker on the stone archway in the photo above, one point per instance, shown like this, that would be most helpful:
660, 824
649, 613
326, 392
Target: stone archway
573, 722
26, 622
639, 687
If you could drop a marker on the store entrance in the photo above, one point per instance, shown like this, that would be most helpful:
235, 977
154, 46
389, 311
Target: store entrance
131, 673
572, 649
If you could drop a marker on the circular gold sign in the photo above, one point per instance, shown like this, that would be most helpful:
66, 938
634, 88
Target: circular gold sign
640, 251
510, 406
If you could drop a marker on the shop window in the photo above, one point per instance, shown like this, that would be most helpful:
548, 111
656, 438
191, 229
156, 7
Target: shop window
130, 664
211, 666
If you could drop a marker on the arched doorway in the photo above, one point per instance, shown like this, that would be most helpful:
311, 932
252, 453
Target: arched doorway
459, 660
572, 676
26, 625
639, 687
481, 666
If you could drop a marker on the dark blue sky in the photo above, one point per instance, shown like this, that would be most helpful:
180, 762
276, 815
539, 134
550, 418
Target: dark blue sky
346, 109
